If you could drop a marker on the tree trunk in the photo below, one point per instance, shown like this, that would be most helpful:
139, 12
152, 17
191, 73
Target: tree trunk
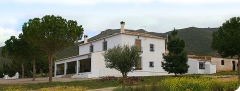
22, 69
50, 68
123, 81
34, 70
238, 67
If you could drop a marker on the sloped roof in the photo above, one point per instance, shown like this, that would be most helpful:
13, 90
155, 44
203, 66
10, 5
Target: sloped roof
127, 32
205, 58
142, 34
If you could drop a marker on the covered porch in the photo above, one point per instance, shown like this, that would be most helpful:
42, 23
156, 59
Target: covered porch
75, 65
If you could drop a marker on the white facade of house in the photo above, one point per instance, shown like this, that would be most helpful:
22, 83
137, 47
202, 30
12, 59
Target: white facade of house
94, 63
197, 66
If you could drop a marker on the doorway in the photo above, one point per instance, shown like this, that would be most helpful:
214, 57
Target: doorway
233, 67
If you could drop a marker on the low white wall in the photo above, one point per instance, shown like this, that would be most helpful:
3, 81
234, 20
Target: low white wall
209, 68
16, 76
81, 75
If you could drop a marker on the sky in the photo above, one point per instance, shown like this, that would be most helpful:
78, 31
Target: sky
98, 15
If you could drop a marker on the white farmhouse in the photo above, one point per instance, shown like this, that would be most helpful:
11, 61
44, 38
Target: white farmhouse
200, 65
90, 61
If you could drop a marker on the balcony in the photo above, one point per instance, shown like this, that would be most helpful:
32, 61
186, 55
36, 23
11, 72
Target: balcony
140, 49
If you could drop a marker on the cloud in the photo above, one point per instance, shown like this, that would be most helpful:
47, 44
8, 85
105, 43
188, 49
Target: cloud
198, 1
93, 2
5, 34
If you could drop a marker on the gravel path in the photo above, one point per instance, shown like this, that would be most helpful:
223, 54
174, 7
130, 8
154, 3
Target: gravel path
103, 89
42, 80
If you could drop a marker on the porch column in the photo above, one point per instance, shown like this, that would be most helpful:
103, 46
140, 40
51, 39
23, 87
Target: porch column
65, 68
55, 69
77, 65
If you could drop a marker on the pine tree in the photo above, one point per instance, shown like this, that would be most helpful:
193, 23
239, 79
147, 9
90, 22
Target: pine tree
176, 60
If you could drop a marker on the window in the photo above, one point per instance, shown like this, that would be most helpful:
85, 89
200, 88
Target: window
201, 65
151, 64
139, 64
104, 45
91, 48
138, 44
222, 62
151, 47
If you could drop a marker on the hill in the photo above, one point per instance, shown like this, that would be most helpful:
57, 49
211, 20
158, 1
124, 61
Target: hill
198, 40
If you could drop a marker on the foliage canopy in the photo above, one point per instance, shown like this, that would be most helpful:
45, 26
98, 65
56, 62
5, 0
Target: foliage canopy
176, 60
122, 58
226, 40
51, 33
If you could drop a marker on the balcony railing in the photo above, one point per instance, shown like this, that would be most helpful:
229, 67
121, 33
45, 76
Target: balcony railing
140, 49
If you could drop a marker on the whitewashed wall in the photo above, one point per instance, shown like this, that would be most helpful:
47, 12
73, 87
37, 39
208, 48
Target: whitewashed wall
98, 66
193, 66
97, 45
210, 69
98, 63
147, 55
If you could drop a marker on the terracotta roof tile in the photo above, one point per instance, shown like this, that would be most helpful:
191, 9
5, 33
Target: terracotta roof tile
128, 33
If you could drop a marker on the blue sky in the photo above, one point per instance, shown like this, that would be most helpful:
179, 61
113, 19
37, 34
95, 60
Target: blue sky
98, 15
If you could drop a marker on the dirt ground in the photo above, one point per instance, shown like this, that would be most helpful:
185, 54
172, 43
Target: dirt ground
38, 80
228, 78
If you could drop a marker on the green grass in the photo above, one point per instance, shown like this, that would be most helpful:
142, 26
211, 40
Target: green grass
90, 84
185, 83
93, 84
227, 73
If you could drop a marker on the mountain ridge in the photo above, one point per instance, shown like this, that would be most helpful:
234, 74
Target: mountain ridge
197, 40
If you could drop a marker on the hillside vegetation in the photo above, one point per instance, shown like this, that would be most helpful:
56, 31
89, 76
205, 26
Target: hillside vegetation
198, 41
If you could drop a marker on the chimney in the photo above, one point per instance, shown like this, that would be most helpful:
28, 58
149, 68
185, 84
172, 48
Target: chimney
122, 27
85, 39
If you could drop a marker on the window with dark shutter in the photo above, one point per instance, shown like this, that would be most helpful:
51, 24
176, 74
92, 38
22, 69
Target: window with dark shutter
201, 65
104, 45
151, 47
151, 64
91, 48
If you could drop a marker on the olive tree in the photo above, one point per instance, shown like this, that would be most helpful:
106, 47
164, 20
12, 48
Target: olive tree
122, 58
